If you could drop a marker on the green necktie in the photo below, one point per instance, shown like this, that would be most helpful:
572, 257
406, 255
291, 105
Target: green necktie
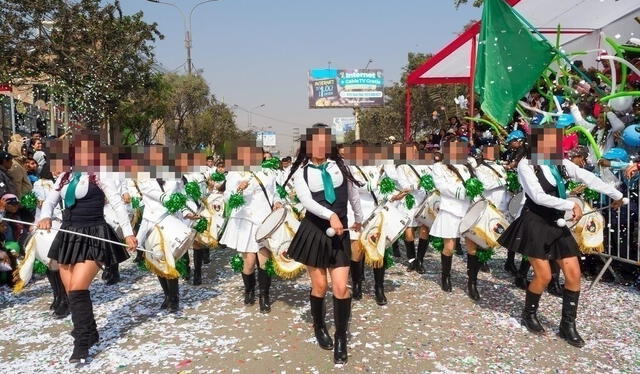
70, 195
562, 189
329, 192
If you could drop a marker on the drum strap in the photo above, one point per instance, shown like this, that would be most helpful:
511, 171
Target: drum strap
375, 199
483, 162
415, 172
264, 190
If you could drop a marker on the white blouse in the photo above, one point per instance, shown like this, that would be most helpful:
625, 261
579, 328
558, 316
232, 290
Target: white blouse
107, 185
315, 184
533, 189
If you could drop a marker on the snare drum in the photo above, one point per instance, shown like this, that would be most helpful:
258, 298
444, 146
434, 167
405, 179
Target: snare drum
515, 206
168, 240
430, 210
111, 218
276, 233
589, 231
212, 210
382, 230
37, 247
483, 224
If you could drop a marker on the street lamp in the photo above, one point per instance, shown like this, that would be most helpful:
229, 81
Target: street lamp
251, 113
187, 26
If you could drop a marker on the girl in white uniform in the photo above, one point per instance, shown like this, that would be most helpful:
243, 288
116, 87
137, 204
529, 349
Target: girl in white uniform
449, 177
258, 188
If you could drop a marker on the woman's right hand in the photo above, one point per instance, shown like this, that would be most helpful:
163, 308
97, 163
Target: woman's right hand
577, 213
336, 224
45, 224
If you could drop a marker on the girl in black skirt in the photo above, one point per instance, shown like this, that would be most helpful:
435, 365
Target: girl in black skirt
536, 234
324, 186
83, 196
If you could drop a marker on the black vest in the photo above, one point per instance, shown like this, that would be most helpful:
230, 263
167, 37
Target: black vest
339, 206
87, 211
547, 213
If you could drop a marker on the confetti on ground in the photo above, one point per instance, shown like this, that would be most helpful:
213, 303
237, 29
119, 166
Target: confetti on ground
422, 329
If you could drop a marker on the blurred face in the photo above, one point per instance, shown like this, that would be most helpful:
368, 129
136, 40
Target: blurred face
549, 144
86, 154
155, 156
56, 167
247, 156
412, 153
490, 153
455, 153
319, 145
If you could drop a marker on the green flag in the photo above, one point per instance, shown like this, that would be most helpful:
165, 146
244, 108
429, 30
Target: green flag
510, 60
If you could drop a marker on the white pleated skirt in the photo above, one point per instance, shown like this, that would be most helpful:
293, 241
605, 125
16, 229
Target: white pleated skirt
240, 235
446, 225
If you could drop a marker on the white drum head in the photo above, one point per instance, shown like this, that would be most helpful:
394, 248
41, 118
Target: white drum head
473, 215
270, 224
515, 204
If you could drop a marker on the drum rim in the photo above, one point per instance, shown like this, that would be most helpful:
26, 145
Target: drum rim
280, 222
476, 220
514, 214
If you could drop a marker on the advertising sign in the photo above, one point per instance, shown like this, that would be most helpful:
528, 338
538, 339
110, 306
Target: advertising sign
266, 138
339, 88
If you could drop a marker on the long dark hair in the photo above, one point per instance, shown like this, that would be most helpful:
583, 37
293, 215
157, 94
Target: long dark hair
302, 159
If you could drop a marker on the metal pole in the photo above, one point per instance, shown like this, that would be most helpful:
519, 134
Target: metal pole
13, 114
66, 113
357, 113
187, 44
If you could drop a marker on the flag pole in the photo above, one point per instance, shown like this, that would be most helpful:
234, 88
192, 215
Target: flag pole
558, 51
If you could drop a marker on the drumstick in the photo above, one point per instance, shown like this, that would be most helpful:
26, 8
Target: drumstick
331, 232
563, 222
75, 233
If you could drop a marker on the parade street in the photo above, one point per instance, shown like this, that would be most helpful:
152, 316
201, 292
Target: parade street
422, 329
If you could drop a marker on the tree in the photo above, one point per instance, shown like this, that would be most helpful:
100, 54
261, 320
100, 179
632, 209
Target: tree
189, 98
85, 51
476, 3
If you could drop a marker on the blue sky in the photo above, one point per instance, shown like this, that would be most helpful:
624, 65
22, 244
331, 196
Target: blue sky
255, 52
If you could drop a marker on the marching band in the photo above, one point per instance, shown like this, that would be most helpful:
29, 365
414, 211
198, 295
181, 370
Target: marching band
330, 212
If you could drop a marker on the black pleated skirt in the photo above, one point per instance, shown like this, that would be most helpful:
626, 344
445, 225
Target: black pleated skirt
538, 237
70, 249
311, 245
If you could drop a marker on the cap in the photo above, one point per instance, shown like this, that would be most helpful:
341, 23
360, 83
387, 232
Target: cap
579, 151
4, 156
515, 135
616, 154
9, 198
565, 120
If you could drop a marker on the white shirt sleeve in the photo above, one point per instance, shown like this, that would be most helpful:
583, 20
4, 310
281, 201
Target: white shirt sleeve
616, 123
580, 121
112, 194
444, 184
533, 189
354, 199
304, 195
591, 180
53, 198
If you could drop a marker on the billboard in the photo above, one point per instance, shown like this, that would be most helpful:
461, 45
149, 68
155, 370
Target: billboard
339, 88
266, 138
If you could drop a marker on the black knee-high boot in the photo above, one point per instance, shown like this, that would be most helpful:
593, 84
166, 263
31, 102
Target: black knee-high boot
472, 272
446, 272
264, 283
249, 288
356, 279
82, 318
341, 315
165, 289
509, 264
378, 275
568, 330
197, 266
206, 256
423, 244
530, 313
53, 280
173, 290
521, 278
554, 287
411, 254
62, 309
459, 247
318, 312
396, 249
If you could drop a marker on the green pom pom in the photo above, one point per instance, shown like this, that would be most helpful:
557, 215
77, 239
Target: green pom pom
437, 243
39, 267
142, 266
387, 185
525, 258
484, 255
193, 190
410, 201
218, 177
572, 185
201, 226
236, 200
270, 268
282, 192
237, 263
591, 195
513, 184
181, 266
388, 258
272, 163
135, 202
12, 246
296, 200
29, 201
426, 182
473, 188
176, 202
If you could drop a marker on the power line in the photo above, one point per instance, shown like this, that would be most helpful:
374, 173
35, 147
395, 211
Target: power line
268, 117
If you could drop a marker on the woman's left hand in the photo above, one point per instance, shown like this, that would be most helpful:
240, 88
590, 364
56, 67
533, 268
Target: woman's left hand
357, 226
277, 206
132, 242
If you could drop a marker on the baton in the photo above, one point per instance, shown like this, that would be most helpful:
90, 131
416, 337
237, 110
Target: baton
75, 233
